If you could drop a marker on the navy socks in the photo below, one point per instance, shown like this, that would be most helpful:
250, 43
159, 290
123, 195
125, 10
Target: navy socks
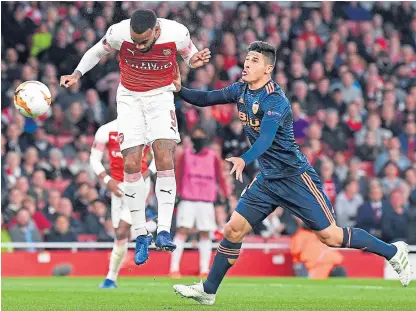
226, 250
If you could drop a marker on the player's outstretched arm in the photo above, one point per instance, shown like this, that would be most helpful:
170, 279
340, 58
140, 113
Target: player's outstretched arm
275, 109
205, 98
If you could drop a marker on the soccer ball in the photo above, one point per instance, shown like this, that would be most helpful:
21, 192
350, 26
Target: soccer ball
32, 99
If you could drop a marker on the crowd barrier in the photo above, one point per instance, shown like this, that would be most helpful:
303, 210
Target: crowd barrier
91, 259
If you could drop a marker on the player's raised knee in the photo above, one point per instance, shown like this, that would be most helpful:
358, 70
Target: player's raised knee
331, 236
233, 233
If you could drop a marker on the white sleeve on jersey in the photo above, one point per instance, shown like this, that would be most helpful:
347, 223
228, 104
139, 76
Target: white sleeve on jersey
98, 148
110, 41
184, 44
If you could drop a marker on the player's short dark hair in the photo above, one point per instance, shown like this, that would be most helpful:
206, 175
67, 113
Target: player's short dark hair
142, 20
268, 50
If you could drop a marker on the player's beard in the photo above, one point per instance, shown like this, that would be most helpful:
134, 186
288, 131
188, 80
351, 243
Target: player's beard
150, 47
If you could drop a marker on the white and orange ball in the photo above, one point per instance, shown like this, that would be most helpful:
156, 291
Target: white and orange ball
32, 99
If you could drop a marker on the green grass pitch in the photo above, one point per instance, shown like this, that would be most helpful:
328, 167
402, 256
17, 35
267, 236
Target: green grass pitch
235, 294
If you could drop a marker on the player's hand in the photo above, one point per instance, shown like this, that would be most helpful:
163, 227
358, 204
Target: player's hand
114, 187
67, 81
177, 78
201, 58
238, 167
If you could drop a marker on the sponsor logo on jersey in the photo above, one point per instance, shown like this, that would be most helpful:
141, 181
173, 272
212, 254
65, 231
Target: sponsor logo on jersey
120, 138
253, 123
149, 65
131, 51
241, 100
255, 107
167, 52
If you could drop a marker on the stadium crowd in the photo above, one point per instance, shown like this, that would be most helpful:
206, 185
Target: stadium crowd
349, 71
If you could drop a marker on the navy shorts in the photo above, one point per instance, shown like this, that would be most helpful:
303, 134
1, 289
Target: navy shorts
302, 195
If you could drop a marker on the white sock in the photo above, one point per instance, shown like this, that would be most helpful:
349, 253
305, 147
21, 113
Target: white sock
175, 260
116, 259
134, 191
205, 250
165, 193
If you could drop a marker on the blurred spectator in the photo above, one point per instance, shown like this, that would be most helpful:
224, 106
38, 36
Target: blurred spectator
408, 140
335, 133
341, 167
347, 203
395, 220
53, 203
370, 213
42, 143
80, 142
94, 222
80, 178
22, 184
65, 208
12, 168
57, 167
372, 125
14, 204
234, 139
75, 120
41, 40
54, 124
389, 120
15, 140
330, 183
30, 162
394, 155
300, 123
107, 234
40, 220
369, 150
312, 258
81, 163
61, 231
69, 96
349, 90
38, 190
391, 179
96, 110
25, 229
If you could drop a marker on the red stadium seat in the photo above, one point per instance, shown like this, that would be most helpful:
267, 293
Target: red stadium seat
63, 140
368, 168
52, 139
87, 238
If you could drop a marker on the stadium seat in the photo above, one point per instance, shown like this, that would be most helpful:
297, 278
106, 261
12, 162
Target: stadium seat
368, 168
87, 238
63, 140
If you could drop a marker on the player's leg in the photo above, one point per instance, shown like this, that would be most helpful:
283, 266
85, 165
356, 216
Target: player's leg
121, 220
185, 220
303, 195
253, 207
162, 133
131, 128
205, 223
165, 190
